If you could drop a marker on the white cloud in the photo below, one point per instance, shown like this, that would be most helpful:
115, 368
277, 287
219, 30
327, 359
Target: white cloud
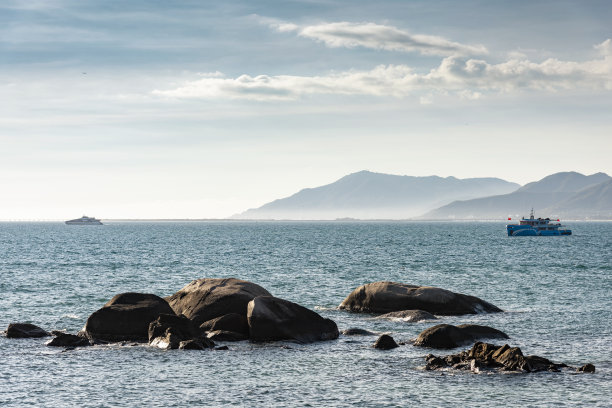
467, 78
377, 36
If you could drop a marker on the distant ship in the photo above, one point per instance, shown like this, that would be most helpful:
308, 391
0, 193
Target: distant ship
84, 220
536, 227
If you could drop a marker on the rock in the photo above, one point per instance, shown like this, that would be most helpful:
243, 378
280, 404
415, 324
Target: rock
587, 368
169, 331
67, 340
385, 342
232, 322
272, 319
226, 335
490, 356
449, 336
205, 299
409, 315
353, 331
24, 330
126, 317
385, 297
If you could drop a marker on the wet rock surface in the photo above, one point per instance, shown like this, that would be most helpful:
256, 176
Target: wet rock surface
25, 330
446, 336
272, 318
385, 342
126, 317
385, 297
485, 356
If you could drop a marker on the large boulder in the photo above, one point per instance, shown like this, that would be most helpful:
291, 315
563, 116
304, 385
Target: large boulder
385, 297
232, 322
208, 298
271, 318
446, 336
412, 316
24, 330
126, 317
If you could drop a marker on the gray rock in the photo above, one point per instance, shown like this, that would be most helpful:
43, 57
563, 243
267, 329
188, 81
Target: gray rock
385, 297
24, 330
273, 319
446, 336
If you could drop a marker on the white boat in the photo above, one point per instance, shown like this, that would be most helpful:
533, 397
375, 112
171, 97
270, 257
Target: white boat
84, 220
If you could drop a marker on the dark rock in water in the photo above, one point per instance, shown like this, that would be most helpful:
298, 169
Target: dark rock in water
24, 330
272, 319
226, 335
385, 342
67, 340
448, 336
490, 356
169, 331
587, 368
192, 345
205, 299
385, 297
409, 315
126, 317
353, 331
233, 322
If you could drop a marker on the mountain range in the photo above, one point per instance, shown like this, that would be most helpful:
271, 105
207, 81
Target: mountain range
369, 195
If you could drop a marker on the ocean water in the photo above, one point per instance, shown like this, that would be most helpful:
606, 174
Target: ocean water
556, 293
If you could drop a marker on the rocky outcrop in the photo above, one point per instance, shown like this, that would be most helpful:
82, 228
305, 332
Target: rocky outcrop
489, 356
205, 299
385, 297
271, 318
126, 317
446, 336
24, 330
62, 339
385, 342
412, 316
168, 331
232, 322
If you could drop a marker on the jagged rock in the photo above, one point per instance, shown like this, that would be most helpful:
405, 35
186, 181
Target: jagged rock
232, 322
24, 330
353, 331
385, 297
449, 336
67, 340
587, 368
272, 319
208, 298
126, 317
385, 342
412, 316
490, 356
226, 335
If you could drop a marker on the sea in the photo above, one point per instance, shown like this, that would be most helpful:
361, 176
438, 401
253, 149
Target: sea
556, 293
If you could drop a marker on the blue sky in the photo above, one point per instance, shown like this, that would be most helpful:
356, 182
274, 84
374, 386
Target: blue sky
204, 109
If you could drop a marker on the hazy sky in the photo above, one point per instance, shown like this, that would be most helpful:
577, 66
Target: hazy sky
203, 109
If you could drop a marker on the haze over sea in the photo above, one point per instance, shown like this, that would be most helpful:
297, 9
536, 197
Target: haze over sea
555, 292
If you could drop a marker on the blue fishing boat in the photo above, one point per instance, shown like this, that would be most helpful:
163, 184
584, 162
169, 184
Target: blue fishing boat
536, 227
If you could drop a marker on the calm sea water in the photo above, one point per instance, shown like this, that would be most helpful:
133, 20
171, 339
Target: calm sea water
556, 291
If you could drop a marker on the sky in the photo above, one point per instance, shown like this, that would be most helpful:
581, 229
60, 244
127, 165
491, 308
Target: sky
201, 109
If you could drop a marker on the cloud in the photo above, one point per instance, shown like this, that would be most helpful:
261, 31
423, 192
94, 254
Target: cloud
468, 78
377, 36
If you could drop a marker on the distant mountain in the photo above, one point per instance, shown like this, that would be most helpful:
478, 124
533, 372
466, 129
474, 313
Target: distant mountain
556, 195
368, 195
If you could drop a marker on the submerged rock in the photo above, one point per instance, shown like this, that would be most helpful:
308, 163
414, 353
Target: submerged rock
271, 319
67, 340
385, 297
232, 322
126, 317
205, 299
446, 336
414, 315
489, 356
24, 330
385, 342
